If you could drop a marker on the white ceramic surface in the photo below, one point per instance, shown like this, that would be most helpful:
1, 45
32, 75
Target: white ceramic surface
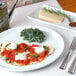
53, 39
65, 24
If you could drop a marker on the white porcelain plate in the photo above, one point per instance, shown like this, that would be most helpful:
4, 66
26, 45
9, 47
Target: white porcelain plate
53, 39
65, 24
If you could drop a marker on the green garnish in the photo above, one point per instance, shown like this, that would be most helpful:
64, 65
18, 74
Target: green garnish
7, 45
45, 47
35, 55
26, 48
52, 11
7, 58
33, 35
59, 13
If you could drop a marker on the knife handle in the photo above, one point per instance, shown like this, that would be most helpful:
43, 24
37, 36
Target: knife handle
66, 60
72, 68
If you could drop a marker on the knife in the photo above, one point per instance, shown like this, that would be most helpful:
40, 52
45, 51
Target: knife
68, 56
72, 68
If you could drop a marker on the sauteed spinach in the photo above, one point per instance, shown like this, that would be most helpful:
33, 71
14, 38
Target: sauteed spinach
32, 35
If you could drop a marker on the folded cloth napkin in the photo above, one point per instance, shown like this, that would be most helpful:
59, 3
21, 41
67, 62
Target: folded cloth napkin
22, 2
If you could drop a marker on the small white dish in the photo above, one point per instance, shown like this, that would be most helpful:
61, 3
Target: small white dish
65, 24
53, 39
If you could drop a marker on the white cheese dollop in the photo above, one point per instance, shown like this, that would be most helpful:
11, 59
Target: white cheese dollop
4, 45
51, 50
11, 46
39, 49
21, 56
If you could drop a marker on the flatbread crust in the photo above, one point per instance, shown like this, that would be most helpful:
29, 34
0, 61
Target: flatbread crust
20, 64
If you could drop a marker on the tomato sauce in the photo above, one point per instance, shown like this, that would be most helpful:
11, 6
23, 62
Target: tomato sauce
31, 57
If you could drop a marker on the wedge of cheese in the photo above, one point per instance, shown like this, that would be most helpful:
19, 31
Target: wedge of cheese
50, 16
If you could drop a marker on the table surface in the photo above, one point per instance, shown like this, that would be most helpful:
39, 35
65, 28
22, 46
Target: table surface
19, 18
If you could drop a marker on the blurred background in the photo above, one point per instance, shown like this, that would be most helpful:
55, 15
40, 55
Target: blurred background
21, 2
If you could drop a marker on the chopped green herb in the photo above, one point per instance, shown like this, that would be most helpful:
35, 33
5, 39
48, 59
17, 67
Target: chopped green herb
7, 58
26, 48
35, 55
33, 35
7, 45
45, 47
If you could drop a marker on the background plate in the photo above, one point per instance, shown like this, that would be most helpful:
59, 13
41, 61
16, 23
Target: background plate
65, 24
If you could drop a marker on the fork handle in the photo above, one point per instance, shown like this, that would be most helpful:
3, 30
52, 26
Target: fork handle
72, 68
66, 60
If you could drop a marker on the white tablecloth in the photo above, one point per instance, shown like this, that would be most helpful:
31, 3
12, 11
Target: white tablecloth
19, 18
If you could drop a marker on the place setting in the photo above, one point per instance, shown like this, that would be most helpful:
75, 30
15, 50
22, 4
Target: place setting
49, 45
66, 60
27, 47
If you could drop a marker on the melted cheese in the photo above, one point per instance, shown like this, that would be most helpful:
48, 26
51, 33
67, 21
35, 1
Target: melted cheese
51, 50
4, 45
39, 49
9, 46
12, 46
21, 56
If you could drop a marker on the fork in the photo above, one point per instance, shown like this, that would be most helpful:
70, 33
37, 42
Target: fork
68, 56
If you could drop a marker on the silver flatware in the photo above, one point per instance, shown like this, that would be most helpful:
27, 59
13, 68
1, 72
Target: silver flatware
72, 68
68, 56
